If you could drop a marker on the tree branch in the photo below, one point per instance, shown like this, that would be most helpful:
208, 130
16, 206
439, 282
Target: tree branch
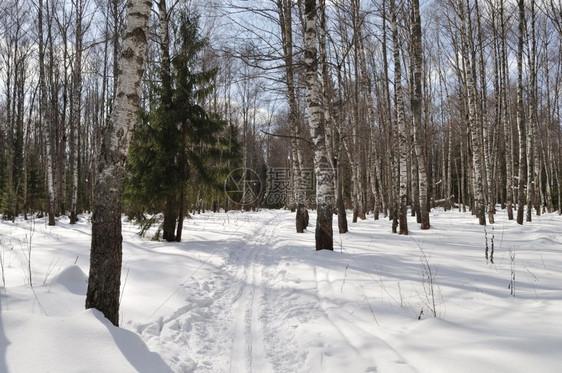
287, 137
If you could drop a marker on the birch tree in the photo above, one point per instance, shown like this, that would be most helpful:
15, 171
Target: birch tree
470, 83
106, 248
285, 12
402, 200
416, 102
75, 111
322, 166
504, 100
356, 158
531, 123
483, 120
46, 114
521, 115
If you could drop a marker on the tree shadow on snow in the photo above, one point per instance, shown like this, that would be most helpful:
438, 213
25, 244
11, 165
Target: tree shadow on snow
134, 349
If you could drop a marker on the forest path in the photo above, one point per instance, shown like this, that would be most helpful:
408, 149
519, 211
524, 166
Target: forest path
248, 352
220, 327
274, 304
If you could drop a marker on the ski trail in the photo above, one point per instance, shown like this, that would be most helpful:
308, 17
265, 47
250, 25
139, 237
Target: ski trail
248, 352
219, 328
238, 353
225, 322
259, 361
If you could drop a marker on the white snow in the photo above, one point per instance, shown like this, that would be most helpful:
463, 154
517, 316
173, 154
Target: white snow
244, 293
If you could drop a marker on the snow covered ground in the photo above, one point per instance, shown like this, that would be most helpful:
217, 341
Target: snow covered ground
245, 293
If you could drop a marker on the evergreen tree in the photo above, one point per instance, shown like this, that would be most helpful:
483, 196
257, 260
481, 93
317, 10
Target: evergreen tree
179, 142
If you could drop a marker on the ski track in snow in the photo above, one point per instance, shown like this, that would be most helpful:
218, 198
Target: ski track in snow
255, 319
222, 329
248, 351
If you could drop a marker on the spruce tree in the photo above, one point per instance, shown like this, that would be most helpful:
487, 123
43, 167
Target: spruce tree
179, 142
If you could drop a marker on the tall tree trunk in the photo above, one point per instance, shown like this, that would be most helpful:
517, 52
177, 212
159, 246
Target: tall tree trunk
521, 115
332, 137
323, 168
358, 159
76, 111
508, 133
7, 195
387, 107
285, 22
340, 144
171, 205
402, 200
61, 140
367, 87
532, 151
548, 153
473, 123
46, 114
416, 102
483, 109
106, 250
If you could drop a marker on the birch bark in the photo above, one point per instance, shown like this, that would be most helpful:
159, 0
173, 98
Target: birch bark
504, 84
416, 102
473, 123
75, 111
402, 199
322, 166
46, 113
106, 249
521, 116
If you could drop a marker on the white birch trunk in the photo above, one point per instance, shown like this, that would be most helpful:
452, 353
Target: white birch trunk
487, 162
417, 113
45, 112
521, 116
106, 248
508, 133
402, 199
473, 124
75, 111
323, 169
532, 151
